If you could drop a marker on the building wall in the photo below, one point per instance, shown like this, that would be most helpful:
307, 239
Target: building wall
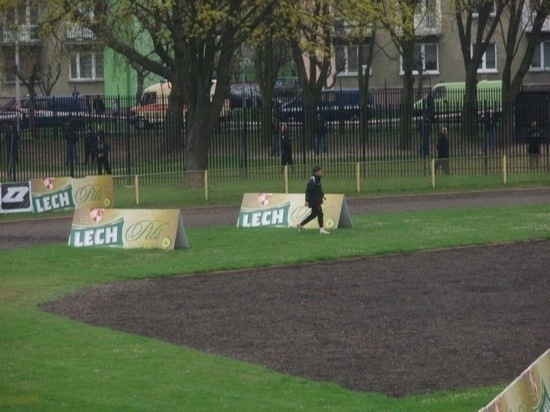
386, 62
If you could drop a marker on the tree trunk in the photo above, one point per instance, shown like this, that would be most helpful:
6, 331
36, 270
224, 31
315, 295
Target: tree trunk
470, 109
310, 98
364, 78
198, 144
407, 98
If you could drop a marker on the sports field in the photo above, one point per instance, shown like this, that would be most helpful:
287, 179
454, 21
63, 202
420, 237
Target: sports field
412, 318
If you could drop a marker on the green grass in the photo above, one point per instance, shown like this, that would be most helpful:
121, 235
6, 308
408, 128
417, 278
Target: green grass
220, 192
52, 363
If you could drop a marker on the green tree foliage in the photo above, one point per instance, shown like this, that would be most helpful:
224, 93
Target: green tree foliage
192, 42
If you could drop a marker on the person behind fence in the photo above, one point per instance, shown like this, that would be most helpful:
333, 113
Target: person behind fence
534, 142
102, 150
489, 126
99, 106
314, 200
286, 146
11, 138
425, 131
89, 145
442, 148
320, 135
275, 135
71, 144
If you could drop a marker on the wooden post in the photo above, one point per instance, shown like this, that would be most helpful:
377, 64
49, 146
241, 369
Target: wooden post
136, 188
206, 184
285, 174
504, 168
358, 177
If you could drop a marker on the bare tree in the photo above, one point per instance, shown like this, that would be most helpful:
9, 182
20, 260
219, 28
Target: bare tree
523, 17
272, 51
362, 19
312, 24
476, 21
32, 33
401, 25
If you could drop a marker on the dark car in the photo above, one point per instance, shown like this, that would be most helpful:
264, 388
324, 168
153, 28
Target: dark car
285, 88
245, 95
342, 104
52, 111
7, 110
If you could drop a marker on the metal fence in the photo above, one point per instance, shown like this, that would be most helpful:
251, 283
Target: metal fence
243, 138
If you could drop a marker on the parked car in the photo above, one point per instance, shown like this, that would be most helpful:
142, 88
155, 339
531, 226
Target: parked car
7, 110
52, 111
341, 104
286, 87
245, 95
49, 111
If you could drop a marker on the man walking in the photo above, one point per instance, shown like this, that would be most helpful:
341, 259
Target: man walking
314, 200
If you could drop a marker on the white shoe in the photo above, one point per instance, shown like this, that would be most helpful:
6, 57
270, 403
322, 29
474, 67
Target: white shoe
322, 231
299, 227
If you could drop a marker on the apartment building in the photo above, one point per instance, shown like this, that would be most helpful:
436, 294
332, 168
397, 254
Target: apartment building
437, 51
75, 61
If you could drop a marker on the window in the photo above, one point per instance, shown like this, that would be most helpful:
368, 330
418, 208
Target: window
426, 57
21, 23
426, 12
541, 57
346, 58
489, 60
86, 66
478, 4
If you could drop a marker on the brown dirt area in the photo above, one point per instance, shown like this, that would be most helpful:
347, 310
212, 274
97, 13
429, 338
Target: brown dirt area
401, 324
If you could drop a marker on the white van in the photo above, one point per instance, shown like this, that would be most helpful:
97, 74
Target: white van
448, 98
153, 104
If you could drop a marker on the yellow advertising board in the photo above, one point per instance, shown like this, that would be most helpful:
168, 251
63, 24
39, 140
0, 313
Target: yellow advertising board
528, 393
56, 193
287, 210
128, 228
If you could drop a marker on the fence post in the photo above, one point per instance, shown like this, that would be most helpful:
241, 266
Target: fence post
358, 177
285, 175
206, 184
504, 168
432, 171
136, 188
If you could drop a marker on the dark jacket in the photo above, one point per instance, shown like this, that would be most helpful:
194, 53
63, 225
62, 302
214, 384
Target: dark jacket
314, 192
534, 140
443, 146
70, 136
90, 140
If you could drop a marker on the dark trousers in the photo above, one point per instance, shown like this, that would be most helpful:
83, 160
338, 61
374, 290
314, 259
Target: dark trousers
316, 212
89, 155
443, 164
103, 163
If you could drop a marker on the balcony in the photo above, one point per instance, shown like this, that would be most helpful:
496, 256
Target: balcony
528, 18
78, 34
346, 30
27, 34
427, 24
